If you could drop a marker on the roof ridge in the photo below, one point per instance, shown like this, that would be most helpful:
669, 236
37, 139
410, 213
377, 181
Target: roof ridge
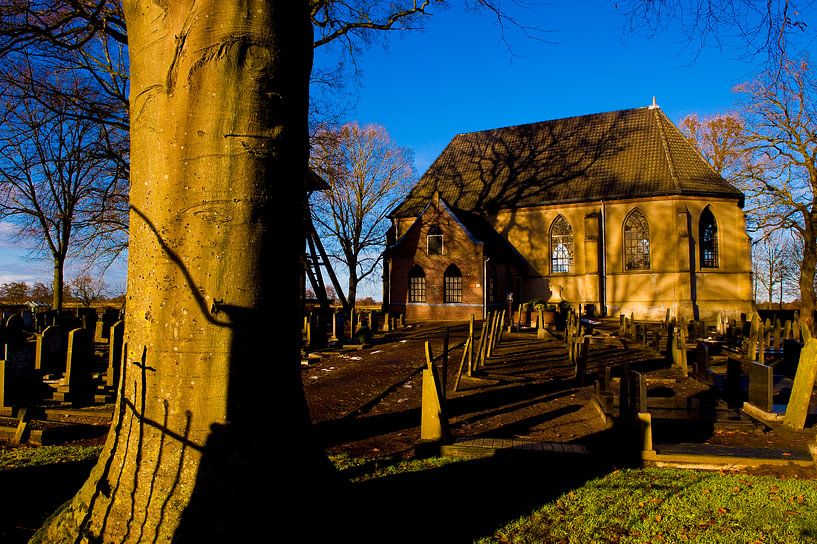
665, 145
549, 121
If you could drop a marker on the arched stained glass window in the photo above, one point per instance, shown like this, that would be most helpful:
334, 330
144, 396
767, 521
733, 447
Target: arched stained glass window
561, 246
453, 284
708, 229
636, 242
417, 284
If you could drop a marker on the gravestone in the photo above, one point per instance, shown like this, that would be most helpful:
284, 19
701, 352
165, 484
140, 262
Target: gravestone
15, 335
28, 319
701, 369
604, 396
51, 350
761, 386
433, 421
638, 390
791, 355
115, 340
778, 332
624, 395
77, 383
89, 321
698, 329
797, 410
734, 391
18, 381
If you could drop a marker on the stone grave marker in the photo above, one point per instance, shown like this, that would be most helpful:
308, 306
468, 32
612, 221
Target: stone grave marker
77, 383
701, 368
761, 386
797, 410
115, 342
15, 335
51, 350
778, 332
18, 381
734, 391
604, 396
791, 355
28, 319
638, 390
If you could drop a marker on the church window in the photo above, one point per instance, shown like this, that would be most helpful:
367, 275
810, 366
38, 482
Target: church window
453, 284
417, 284
708, 230
561, 246
636, 242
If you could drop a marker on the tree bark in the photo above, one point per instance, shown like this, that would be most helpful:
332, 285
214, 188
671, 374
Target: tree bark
58, 283
808, 265
219, 96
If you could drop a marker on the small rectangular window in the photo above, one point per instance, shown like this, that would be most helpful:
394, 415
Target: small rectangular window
435, 244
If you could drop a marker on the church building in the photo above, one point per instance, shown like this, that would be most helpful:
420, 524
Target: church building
615, 211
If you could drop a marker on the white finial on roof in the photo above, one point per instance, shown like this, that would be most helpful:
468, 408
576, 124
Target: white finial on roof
654, 105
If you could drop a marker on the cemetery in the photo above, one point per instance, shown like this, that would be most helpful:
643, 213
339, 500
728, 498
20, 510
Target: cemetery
676, 391
516, 391
736, 393
58, 373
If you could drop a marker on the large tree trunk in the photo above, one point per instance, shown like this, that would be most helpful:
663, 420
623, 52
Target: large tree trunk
219, 94
58, 282
807, 271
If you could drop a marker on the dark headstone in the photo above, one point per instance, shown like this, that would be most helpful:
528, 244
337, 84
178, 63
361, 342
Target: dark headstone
115, 342
701, 368
734, 391
624, 396
51, 350
761, 387
638, 390
28, 319
791, 355
77, 384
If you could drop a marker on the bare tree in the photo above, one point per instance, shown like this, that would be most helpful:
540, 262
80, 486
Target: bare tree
69, 58
768, 31
14, 292
773, 265
52, 170
719, 138
781, 135
40, 292
368, 174
88, 289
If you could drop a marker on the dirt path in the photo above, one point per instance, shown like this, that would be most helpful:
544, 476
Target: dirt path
367, 402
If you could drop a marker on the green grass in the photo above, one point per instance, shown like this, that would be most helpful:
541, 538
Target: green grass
24, 457
626, 506
358, 469
673, 505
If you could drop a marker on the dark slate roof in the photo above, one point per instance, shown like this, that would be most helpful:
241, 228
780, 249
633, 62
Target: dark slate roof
604, 156
495, 245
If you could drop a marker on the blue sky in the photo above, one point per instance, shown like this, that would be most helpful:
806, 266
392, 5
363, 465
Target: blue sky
457, 76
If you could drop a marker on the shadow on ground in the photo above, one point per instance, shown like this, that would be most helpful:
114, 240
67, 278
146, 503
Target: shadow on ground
30, 495
462, 501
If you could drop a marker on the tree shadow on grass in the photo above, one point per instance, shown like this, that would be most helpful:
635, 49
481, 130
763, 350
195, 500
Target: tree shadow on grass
31, 494
463, 501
